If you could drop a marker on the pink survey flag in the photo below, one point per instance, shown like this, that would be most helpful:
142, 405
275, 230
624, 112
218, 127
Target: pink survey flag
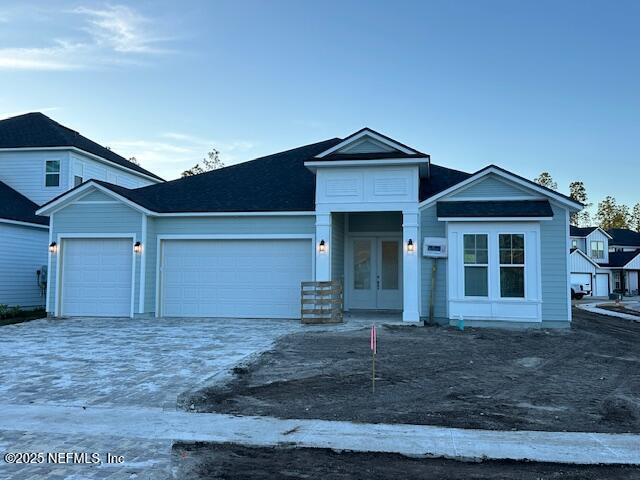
374, 339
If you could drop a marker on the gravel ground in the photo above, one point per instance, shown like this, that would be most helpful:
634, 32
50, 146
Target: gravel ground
586, 378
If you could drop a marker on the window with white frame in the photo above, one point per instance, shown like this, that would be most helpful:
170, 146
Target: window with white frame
574, 243
512, 274
597, 249
77, 180
476, 265
52, 173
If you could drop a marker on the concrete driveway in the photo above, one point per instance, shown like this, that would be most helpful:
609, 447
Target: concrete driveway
124, 362
142, 364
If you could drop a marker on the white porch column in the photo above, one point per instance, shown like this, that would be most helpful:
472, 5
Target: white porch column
323, 251
410, 267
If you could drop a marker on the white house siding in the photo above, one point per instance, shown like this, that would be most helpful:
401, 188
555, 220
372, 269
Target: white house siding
579, 264
214, 225
23, 252
24, 171
597, 235
94, 219
102, 171
555, 286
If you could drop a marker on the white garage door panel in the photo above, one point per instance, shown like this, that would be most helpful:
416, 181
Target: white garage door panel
96, 277
234, 278
583, 279
602, 285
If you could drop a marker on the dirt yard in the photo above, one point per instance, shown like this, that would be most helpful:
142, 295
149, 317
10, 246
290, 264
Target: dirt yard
586, 378
201, 461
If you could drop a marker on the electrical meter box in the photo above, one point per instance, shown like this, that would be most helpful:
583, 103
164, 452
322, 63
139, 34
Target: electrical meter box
434, 247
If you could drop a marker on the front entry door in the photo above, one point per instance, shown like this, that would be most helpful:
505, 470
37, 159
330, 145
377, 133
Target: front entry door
375, 273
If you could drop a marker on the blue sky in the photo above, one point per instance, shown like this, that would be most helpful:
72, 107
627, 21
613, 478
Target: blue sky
530, 86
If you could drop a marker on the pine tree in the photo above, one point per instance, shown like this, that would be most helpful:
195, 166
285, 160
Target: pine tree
634, 222
612, 215
578, 192
546, 180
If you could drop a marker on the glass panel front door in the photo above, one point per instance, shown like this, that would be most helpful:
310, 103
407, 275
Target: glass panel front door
375, 273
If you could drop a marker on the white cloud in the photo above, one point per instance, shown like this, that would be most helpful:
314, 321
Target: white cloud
112, 35
175, 152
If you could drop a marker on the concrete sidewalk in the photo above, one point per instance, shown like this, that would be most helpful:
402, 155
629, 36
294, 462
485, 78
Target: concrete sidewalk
593, 308
410, 440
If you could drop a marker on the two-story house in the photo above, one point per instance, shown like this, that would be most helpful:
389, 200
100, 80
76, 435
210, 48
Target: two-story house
40, 160
604, 261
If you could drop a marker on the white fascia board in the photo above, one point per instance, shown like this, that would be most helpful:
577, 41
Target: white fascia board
483, 173
234, 214
494, 219
88, 154
23, 224
74, 194
366, 133
602, 231
378, 162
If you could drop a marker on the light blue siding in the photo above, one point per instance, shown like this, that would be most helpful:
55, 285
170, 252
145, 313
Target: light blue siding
283, 224
492, 187
97, 196
337, 246
93, 219
553, 249
23, 252
24, 171
375, 222
431, 227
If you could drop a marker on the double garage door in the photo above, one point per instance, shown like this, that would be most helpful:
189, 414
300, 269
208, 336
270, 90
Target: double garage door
198, 278
233, 278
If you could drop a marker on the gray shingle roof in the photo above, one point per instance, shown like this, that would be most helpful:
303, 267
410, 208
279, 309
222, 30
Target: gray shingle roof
620, 259
502, 208
36, 130
580, 231
624, 237
17, 207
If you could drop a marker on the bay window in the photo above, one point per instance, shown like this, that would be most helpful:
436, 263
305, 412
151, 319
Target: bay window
476, 265
511, 247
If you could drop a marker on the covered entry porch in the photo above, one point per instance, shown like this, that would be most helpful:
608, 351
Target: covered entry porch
374, 255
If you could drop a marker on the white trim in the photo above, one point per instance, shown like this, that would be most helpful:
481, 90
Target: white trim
568, 249
514, 198
23, 224
371, 162
225, 236
235, 214
493, 219
60, 264
48, 292
367, 133
88, 154
143, 264
62, 201
508, 176
585, 256
93, 202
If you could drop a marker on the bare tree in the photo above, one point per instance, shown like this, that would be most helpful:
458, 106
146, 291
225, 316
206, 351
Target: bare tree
134, 160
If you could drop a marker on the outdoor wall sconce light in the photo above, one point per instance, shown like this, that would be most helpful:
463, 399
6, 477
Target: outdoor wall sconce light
53, 247
137, 247
322, 246
410, 246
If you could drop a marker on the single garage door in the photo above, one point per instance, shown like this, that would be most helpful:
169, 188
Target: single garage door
96, 277
583, 279
602, 285
234, 278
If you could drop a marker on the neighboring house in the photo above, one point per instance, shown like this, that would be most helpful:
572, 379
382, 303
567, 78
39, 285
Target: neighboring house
605, 261
39, 160
366, 210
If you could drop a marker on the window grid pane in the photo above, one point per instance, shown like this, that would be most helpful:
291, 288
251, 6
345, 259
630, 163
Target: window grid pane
476, 260
511, 265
